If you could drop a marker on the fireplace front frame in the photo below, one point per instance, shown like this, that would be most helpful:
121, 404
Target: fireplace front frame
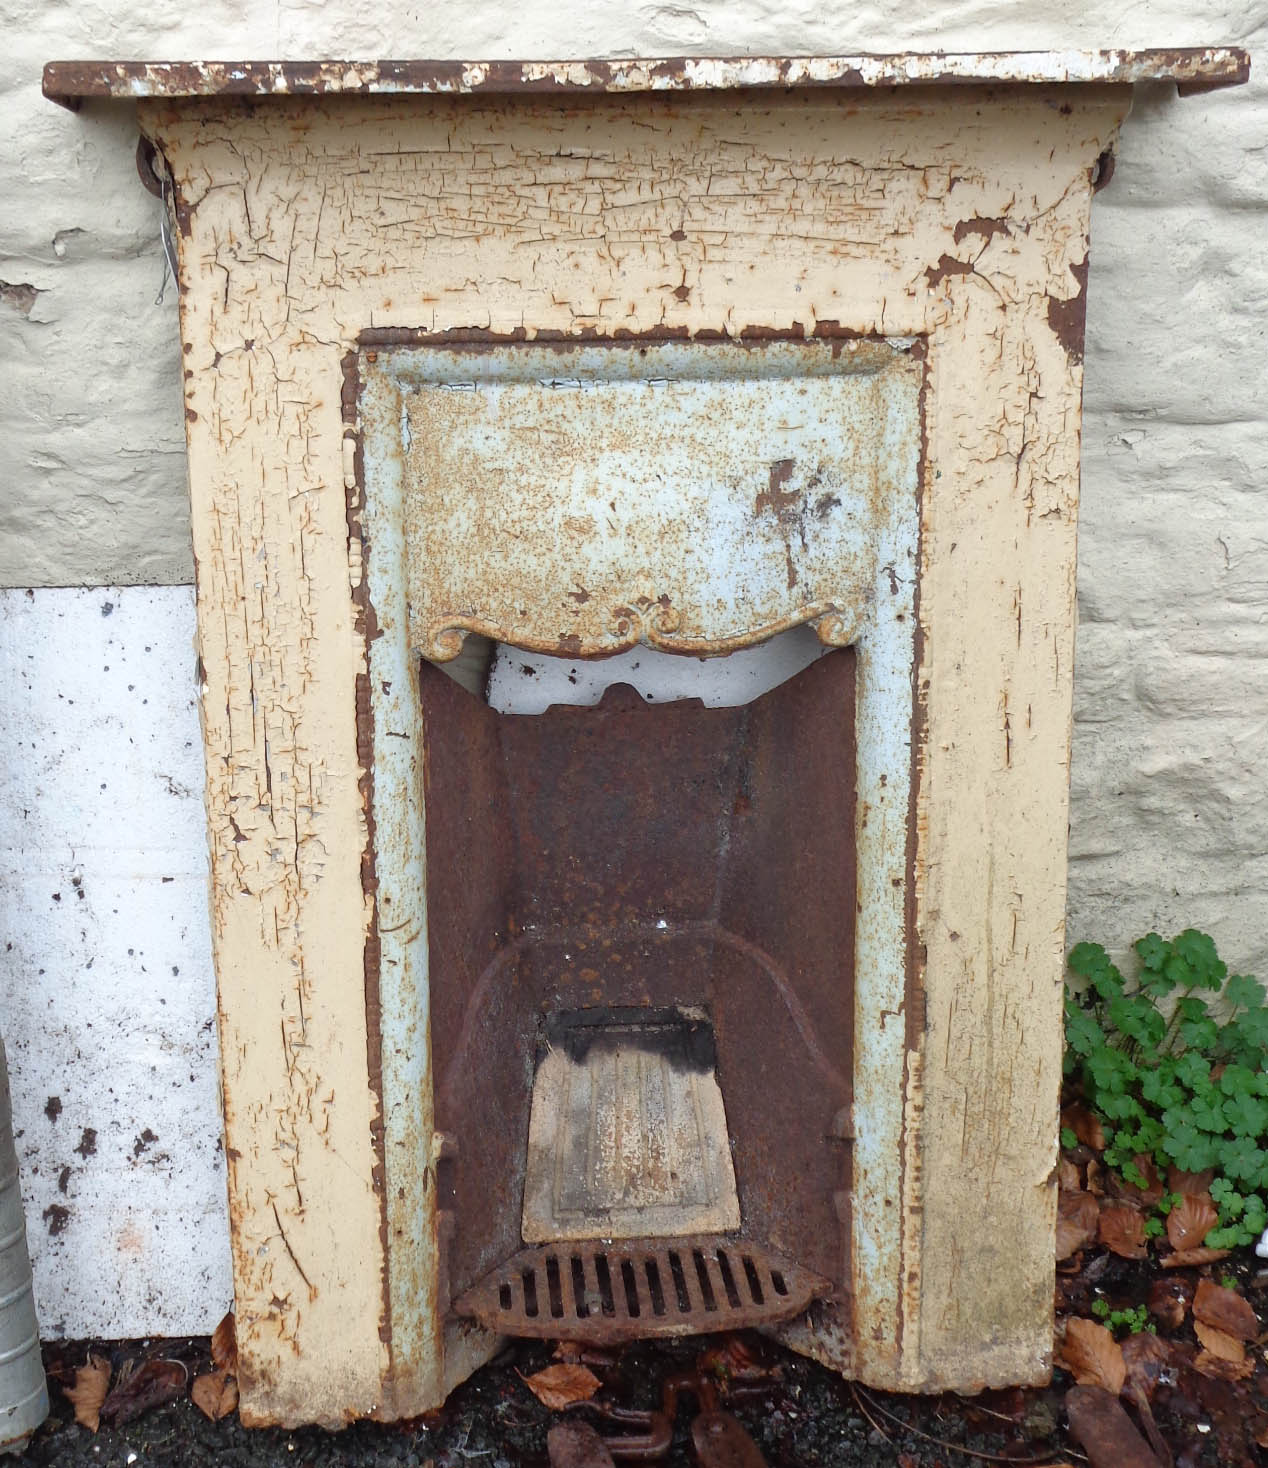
866, 197
875, 612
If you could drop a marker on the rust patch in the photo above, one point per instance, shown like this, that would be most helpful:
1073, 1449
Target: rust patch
947, 267
366, 625
1067, 317
986, 228
475, 337
775, 497
57, 1216
914, 1015
832, 331
796, 332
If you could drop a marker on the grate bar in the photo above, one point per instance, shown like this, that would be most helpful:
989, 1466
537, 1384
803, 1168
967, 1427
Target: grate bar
629, 1289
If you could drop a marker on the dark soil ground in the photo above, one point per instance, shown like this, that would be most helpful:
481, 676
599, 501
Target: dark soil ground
800, 1415
805, 1419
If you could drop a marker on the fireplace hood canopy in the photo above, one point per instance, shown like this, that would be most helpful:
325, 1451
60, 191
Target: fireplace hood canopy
584, 355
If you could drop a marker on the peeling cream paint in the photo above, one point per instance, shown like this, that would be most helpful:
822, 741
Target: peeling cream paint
954, 216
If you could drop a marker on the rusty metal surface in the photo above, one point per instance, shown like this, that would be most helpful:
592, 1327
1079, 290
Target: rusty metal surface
720, 1442
399, 1062
579, 498
640, 856
68, 82
606, 1293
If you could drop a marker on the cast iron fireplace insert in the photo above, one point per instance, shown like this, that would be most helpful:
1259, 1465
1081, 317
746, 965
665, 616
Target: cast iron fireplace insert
674, 886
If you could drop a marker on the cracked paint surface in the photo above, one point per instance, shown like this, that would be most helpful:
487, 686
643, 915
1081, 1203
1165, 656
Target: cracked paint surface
302, 224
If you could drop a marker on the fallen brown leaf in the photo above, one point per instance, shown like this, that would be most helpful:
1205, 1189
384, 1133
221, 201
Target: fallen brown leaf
153, 1383
1195, 1183
731, 1362
1077, 1215
1096, 1178
215, 1394
573, 1444
1219, 1342
1191, 1258
1147, 1196
224, 1345
1068, 1179
1209, 1364
1100, 1425
1226, 1310
1092, 1356
92, 1382
1169, 1301
572, 1353
562, 1386
1122, 1230
1084, 1125
1146, 1358
1189, 1222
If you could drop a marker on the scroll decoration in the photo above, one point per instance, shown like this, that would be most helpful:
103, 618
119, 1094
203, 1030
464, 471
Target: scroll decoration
645, 621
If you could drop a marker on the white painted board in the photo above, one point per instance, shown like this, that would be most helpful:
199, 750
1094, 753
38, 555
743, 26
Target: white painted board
106, 992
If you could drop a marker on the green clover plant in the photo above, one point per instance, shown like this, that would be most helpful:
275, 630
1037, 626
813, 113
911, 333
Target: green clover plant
1172, 1080
1133, 1321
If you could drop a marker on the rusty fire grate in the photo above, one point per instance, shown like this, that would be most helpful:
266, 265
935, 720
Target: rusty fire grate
610, 1292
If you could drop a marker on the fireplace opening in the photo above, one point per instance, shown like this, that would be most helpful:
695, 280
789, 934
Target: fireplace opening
740, 863
641, 950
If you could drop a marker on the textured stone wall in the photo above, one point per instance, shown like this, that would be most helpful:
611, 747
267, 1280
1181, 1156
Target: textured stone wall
1169, 822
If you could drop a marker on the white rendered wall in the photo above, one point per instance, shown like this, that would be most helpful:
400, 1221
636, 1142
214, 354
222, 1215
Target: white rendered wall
1169, 824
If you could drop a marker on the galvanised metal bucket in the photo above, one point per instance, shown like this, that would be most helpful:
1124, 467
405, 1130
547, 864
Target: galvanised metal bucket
23, 1390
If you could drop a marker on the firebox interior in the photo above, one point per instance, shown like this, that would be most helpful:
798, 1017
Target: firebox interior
633, 859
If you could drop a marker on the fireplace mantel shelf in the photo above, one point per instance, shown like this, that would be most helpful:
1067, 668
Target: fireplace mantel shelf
1193, 69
